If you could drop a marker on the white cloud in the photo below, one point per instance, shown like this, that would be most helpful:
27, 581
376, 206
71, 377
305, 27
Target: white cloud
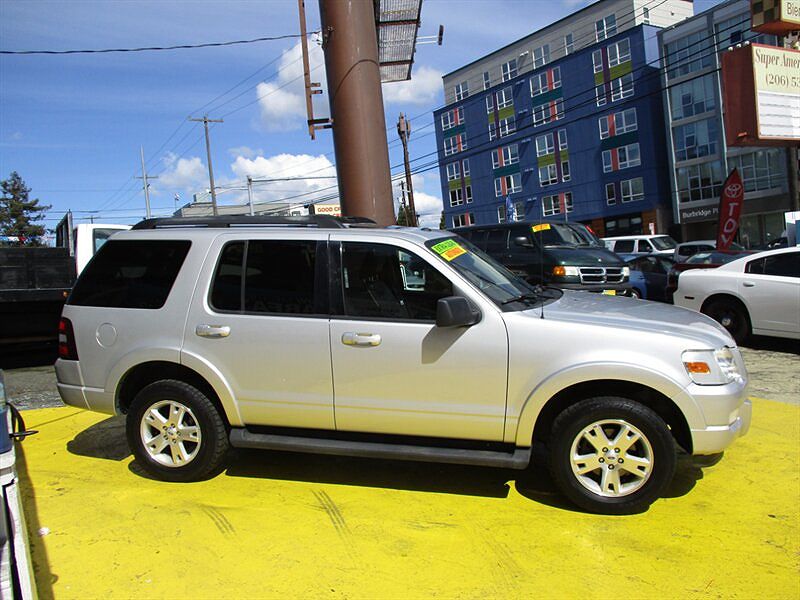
424, 87
428, 206
245, 151
189, 174
282, 100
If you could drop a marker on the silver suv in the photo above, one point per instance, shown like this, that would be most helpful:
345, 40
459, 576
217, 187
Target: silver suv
317, 335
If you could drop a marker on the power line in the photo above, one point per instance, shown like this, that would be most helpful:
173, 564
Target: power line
155, 48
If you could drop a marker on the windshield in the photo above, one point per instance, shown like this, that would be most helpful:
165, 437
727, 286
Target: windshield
557, 234
714, 258
498, 283
587, 235
664, 243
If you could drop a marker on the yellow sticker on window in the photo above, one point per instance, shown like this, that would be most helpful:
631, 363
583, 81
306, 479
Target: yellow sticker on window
540, 227
448, 249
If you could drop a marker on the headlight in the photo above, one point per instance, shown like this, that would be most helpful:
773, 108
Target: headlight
561, 271
626, 271
711, 367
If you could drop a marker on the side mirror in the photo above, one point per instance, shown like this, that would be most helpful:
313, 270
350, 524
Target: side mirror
455, 311
522, 241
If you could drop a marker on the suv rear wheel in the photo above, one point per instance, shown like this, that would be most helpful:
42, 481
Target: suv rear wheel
175, 432
611, 455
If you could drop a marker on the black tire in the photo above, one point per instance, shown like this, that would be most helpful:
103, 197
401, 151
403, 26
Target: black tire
636, 294
631, 493
161, 455
732, 316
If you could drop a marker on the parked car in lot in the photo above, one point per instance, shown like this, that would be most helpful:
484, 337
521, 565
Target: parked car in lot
641, 244
649, 276
756, 294
564, 255
701, 260
686, 249
301, 334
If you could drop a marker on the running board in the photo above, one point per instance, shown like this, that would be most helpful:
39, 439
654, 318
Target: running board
243, 438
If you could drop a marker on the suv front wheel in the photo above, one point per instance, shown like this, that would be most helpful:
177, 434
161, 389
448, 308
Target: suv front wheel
611, 455
175, 432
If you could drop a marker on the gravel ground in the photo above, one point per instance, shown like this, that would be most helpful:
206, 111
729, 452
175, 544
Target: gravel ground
773, 365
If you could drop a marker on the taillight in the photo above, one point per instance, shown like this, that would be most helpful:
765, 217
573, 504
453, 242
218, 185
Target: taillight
66, 340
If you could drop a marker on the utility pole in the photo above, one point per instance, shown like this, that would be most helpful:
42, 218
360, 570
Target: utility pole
205, 120
145, 181
350, 43
250, 194
403, 202
404, 131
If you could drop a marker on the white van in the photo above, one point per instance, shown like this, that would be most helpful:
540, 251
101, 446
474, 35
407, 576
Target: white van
660, 245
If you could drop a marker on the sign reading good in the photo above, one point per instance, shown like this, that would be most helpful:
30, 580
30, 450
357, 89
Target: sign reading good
730, 207
775, 16
328, 209
761, 95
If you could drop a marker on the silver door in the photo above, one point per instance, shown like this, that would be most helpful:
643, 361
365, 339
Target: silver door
274, 354
396, 372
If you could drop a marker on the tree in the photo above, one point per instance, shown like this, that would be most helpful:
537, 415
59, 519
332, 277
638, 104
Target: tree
441, 221
403, 216
18, 213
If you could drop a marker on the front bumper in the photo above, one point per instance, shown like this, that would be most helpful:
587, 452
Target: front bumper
713, 439
619, 289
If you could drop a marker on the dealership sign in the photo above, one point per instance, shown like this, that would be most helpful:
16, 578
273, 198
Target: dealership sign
778, 17
730, 207
761, 95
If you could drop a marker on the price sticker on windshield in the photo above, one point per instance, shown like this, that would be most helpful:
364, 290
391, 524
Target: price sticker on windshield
448, 250
540, 227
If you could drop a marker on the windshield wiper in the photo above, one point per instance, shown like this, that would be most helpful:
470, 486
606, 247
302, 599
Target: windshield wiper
537, 292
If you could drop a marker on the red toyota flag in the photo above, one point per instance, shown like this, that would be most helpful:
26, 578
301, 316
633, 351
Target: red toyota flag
730, 207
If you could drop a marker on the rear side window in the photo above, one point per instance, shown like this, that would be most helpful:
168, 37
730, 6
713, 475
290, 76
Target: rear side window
623, 246
279, 277
782, 265
497, 242
130, 274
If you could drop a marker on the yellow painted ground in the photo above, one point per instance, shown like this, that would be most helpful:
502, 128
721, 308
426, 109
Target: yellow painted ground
301, 526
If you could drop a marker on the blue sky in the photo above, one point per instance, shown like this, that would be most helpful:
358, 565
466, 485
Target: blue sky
72, 125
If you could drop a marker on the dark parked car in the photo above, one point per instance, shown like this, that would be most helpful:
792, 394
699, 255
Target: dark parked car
701, 260
649, 277
564, 255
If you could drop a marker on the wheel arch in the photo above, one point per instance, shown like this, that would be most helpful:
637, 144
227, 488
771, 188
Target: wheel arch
143, 374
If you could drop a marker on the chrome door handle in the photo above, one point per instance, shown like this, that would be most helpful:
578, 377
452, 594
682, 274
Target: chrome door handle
748, 284
213, 331
361, 339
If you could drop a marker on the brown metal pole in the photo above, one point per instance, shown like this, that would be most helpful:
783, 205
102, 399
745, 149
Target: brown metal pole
404, 130
350, 43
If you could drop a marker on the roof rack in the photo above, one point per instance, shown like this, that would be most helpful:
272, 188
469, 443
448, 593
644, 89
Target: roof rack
320, 221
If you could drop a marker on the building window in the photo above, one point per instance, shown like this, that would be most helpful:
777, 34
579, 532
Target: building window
452, 118
461, 91
454, 144
519, 211
692, 97
453, 171
646, 16
548, 175
465, 167
492, 131
501, 213
695, 140
505, 156
737, 30
618, 123
468, 193
487, 82
463, 220
489, 103
600, 94
760, 170
632, 189
544, 82
545, 145
552, 205
619, 53
541, 56
700, 182
611, 194
605, 28
622, 87
456, 197
565, 175
509, 69
689, 54
545, 113
505, 97
597, 61
562, 139
623, 157
569, 46
507, 184
507, 126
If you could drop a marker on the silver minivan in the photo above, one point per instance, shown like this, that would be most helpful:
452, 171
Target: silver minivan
309, 335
